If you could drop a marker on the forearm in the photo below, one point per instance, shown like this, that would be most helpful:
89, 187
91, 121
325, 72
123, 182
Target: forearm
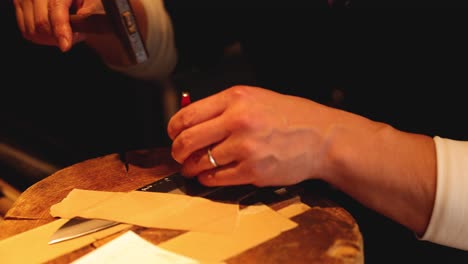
389, 171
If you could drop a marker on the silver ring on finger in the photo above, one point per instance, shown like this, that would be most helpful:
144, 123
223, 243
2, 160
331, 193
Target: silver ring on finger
212, 159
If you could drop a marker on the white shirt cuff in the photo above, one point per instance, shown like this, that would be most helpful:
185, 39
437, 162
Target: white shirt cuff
449, 224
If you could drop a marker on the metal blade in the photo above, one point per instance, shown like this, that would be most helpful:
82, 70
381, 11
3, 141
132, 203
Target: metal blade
174, 183
77, 227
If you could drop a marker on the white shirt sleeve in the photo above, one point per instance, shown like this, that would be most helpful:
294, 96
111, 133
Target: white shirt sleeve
449, 221
160, 45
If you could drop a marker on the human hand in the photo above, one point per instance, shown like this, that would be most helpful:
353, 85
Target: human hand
256, 137
265, 138
47, 22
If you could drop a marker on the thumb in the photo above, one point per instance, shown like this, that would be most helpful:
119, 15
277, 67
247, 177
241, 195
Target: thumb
59, 18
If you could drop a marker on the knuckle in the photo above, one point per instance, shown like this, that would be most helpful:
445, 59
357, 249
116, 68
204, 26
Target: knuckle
243, 122
243, 116
187, 118
182, 120
42, 25
184, 141
239, 92
247, 148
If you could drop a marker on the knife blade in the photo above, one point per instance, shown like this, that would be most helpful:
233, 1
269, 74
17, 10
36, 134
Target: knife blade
243, 195
174, 183
77, 227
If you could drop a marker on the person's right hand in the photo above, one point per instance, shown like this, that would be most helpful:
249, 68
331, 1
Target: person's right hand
47, 22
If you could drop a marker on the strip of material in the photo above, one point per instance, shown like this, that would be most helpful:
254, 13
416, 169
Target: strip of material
257, 224
150, 209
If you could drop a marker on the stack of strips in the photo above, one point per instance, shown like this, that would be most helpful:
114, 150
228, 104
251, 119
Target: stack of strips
216, 231
150, 209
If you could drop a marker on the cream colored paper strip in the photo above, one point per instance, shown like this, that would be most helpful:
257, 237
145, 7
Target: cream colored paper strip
150, 209
257, 224
294, 209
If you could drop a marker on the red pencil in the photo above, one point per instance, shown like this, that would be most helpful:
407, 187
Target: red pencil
185, 99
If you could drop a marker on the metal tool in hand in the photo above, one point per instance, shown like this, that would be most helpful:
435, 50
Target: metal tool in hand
120, 19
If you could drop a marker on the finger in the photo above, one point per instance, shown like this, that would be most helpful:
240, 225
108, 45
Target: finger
196, 163
224, 176
199, 161
41, 17
60, 22
28, 14
30, 34
198, 137
196, 113
20, 17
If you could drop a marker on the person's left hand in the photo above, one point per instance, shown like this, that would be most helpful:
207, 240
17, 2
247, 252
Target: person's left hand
255, 135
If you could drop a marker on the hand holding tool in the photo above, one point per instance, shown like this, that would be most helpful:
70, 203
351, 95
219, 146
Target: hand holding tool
120, 19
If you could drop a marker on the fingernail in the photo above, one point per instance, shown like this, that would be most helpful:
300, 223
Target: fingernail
63, 44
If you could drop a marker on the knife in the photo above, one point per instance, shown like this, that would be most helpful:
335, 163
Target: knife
243, 195
174, 183
77, 227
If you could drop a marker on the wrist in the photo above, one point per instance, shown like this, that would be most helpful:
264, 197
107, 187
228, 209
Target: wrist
388, 170
346, 142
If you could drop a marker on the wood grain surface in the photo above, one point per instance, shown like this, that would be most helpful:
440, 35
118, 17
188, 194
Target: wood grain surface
326, 233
